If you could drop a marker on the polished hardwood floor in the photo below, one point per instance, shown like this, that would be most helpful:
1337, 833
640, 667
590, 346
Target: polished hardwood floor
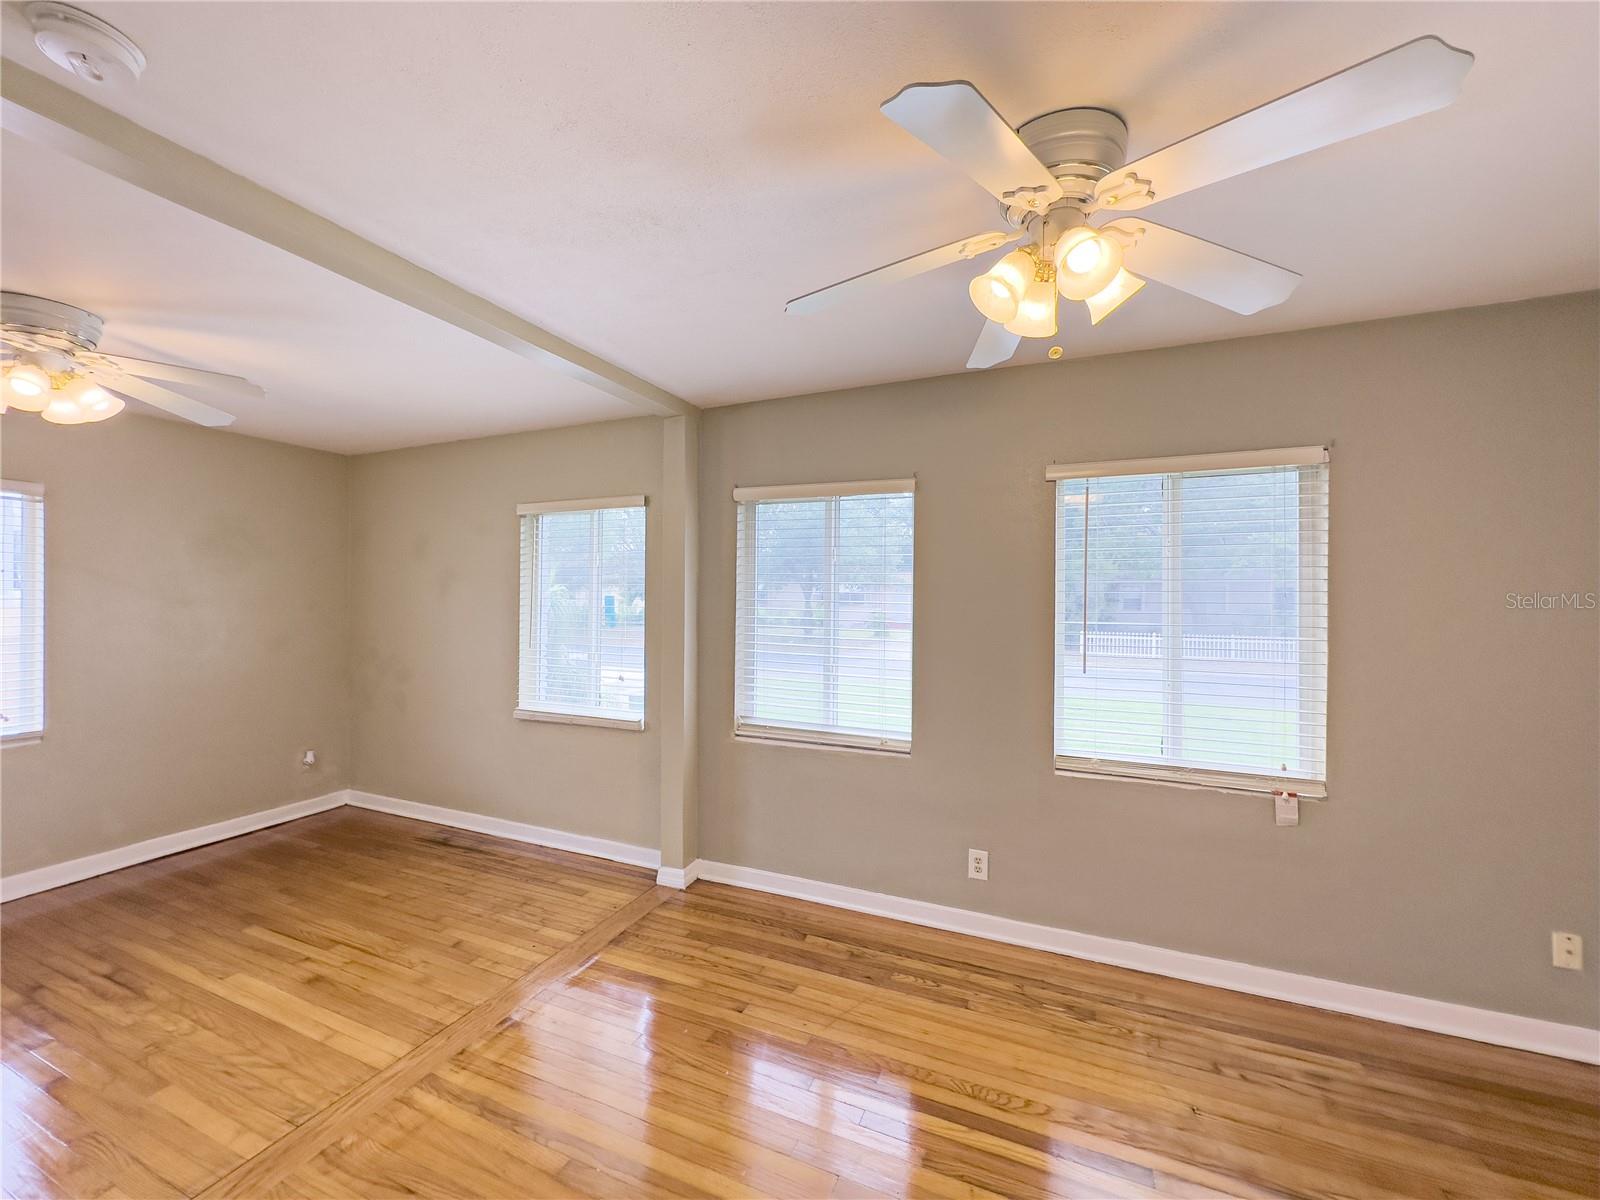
359, 1005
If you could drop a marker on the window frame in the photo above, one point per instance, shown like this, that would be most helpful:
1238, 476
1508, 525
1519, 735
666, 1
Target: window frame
744, 553
25, 737
1212, 779
537, 510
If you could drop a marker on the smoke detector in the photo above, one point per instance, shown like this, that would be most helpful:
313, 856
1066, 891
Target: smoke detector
79, 42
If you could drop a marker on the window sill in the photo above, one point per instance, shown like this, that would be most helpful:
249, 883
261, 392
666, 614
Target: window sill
1231, 785
12, 740
560, 718
772, 735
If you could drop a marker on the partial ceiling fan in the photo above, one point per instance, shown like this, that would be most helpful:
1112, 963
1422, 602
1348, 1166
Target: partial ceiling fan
51, 367
1058, 171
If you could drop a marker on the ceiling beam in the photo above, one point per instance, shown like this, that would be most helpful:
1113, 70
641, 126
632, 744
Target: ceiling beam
45, 112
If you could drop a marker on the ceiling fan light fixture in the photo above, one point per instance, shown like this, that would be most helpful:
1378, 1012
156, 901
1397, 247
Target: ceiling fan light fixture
79, 402
1056, 170
1086, 262
107, 406
1036, 315
998, 292
64, 410
1121, 289
24, 382
1084, 257
993, 297
27, 403
93, 401
54, 348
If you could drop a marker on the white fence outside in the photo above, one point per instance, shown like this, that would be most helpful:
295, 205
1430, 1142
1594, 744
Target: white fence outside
1221, 647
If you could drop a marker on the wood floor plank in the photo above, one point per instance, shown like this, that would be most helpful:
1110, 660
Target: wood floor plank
186, 1015
309, 1138
358, 1005
906, 1062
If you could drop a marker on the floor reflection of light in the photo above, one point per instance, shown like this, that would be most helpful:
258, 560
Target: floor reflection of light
627, 994
625, 1029
840, 1104
23, 1137
785, 1099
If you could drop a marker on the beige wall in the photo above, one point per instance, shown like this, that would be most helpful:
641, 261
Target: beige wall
195, 632
1461, 825
200, 638
433, 576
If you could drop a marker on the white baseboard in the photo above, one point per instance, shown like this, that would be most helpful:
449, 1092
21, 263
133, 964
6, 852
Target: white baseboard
14, 887
1458, 1020
516, 831
678, 877
26, 883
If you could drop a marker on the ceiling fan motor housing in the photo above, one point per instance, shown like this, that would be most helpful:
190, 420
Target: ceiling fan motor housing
50, 321
1080, 146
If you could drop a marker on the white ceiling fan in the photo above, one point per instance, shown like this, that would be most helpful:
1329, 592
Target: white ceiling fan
51, 367
1058, 171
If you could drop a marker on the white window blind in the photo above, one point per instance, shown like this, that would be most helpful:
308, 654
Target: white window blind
21, 609
1192, 621
823, 614
581, 637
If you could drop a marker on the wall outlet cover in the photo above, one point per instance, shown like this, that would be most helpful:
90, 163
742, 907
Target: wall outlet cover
1566, 951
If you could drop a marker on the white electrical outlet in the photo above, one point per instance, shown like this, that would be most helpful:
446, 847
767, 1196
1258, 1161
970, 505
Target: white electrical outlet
308, 759
977, 864
1566, 951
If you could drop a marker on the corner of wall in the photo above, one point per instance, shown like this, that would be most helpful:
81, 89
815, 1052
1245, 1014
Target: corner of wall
350, 774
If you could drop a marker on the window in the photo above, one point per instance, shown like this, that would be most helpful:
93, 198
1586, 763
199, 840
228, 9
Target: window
581, 629
21, 610
1216, 674
823, 614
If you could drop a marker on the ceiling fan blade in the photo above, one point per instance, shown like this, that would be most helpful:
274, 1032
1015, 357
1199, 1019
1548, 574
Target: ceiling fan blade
19, 341
1201, 268
905, 268
996, 344
159, 397
233, 385
1415, 78
956, 121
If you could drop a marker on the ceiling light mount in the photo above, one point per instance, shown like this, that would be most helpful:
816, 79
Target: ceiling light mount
1079, 146
51, 323
83, 44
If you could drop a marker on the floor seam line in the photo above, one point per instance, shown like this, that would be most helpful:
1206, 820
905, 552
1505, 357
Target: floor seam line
323, 1127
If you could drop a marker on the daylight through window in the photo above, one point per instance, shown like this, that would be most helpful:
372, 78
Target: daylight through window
21, 610
824, 614
581, 628
1192, 621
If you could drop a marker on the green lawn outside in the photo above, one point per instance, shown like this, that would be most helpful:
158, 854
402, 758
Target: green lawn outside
1241, 737
789, 696
1231, 735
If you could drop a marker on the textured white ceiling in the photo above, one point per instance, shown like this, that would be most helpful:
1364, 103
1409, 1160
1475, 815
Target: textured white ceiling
653, 181
344, 369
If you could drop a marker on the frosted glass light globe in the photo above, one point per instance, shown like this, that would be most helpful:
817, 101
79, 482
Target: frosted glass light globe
1086, 262
1036, 315
27, 387
998, 291
93, 401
